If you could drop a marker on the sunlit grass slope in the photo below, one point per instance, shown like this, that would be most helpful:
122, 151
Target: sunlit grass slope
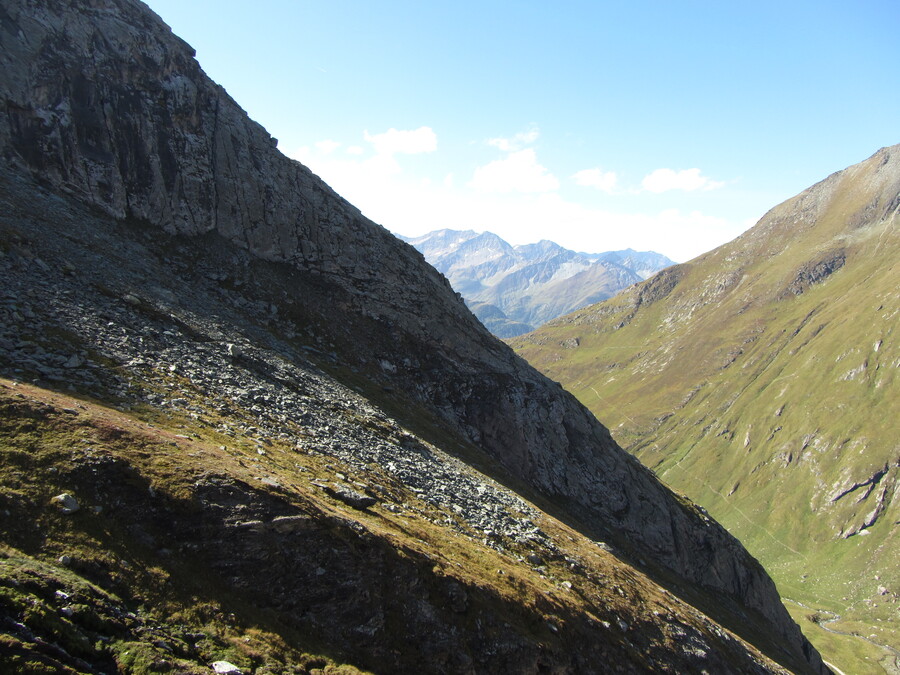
761, 379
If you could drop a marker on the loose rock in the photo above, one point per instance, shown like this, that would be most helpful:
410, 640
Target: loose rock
350, 496
66, 502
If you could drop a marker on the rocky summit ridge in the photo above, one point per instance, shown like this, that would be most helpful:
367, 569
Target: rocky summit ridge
254, 363
513, 289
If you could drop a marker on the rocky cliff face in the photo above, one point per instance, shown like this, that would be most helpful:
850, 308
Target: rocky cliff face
102, 104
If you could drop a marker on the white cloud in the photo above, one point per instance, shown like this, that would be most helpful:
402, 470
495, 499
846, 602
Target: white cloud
327, 147
302, 154
407, 142
519, 172
362, 174
523, 219
355, 177
689, 180
517, 142
602, 180
678, 234
515, 196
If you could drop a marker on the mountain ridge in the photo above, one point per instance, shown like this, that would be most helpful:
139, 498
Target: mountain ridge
513, 289
764, 373
193, 236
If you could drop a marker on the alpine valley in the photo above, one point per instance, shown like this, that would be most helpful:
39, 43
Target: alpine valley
514, 289
761, 380
246, 430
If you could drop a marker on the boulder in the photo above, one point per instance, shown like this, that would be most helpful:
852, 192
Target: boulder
66, 503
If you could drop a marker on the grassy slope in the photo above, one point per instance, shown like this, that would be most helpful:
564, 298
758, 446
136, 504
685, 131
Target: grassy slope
82, 583
138, 607
763, 405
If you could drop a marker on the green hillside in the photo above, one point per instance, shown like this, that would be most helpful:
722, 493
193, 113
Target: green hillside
761, 379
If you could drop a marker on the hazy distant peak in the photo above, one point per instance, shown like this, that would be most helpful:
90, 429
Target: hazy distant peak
514, 289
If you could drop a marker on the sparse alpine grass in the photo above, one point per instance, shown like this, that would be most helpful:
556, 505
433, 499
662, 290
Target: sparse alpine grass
110, 587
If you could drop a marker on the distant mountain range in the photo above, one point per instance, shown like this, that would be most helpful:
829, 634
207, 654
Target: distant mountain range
762, 379
514, 289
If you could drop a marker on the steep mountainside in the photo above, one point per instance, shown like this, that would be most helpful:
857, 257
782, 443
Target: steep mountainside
251, 349
513, 289
762, 380
231, 500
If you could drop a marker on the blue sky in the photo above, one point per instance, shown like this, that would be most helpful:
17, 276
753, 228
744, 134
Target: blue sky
670, 126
